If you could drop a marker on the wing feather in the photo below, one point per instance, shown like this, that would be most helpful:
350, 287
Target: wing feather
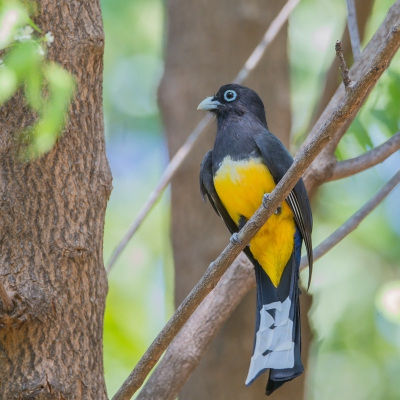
207, 190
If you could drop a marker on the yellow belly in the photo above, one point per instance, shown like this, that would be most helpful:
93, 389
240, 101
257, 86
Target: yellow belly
240, 186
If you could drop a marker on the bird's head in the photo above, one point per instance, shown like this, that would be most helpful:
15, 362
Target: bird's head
233, 99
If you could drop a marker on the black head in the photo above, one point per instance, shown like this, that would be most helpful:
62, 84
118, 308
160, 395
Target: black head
233, 100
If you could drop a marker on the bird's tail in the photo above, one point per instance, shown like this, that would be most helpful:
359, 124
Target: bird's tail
277, 340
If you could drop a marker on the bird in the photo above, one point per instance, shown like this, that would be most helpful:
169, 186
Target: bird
237, 176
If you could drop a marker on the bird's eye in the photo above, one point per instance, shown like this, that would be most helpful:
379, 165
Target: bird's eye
230, 95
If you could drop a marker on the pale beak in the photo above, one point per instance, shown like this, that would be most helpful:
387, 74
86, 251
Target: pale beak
210, 103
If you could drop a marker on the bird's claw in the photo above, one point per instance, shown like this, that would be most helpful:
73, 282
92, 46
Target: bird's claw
265, 200
265, 204
234, 239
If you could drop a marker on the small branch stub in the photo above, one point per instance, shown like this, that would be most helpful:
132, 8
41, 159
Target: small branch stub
343, 66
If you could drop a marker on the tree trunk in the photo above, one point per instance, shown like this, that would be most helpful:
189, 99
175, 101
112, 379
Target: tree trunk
51, 228
207, 44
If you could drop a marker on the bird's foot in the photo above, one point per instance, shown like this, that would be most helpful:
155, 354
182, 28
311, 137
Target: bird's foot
234, 239
265, 204
265, 200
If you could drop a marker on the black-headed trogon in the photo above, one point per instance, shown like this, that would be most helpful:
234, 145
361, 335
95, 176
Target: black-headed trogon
245, 165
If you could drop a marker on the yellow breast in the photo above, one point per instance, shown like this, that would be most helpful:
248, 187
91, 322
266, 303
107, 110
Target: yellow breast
241, 186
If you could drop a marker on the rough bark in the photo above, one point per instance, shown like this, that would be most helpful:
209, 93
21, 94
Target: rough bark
51, 228
207, 44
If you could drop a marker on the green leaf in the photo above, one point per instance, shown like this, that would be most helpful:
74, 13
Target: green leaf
60, 85
24, 59
26, 62
380, 115
34, 26
339, 154
12, 16
47, 86
8, 84
361, 134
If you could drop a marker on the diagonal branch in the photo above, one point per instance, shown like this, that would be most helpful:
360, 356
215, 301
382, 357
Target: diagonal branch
268, 38
168, 174
353, 29
178, 363
346, 168
348, 106
182, 153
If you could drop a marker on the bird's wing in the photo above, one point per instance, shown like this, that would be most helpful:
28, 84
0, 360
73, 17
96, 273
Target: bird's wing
278, 160
207, 190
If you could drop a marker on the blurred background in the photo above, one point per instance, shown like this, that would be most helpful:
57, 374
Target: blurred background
354, 354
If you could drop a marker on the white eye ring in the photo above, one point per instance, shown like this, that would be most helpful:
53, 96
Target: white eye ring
230, 95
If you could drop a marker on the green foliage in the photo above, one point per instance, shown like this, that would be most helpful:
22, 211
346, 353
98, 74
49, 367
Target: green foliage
133, 63
52, 111
47, 87
140, 297
350, 358
378, 119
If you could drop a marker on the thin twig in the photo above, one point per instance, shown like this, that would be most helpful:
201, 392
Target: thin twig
187, 147
346, 168
343, 66
8, 305
353, 29
270, 35
177, 364
352, 223
350, 104
169, 172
